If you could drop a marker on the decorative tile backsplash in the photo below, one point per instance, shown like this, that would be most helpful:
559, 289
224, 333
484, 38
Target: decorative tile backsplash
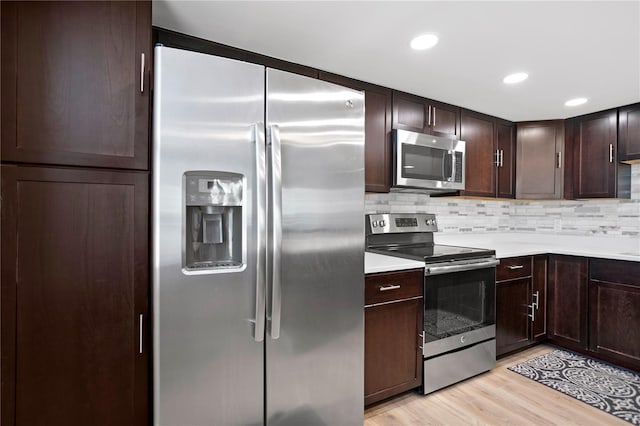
606, 217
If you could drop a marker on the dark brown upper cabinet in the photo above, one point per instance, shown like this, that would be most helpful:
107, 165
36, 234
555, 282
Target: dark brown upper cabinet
74, 297
490, 155
629, 133
422, 115
540, 148
506, 164
377, 134
592, 149
75, 80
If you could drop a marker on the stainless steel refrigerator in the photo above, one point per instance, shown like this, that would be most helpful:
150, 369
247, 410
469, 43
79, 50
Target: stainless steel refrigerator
258, 245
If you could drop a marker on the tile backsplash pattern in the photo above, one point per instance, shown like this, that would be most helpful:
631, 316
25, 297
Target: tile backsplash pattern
606, 217
635, 181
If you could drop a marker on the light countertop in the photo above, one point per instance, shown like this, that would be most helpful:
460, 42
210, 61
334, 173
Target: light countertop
374, 262
519, 244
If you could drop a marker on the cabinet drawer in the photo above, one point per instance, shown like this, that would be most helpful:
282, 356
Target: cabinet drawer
390, 286
513, 267
615, 271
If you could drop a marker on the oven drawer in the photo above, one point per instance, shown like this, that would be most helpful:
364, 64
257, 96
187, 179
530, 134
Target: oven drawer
390, 286
513, 267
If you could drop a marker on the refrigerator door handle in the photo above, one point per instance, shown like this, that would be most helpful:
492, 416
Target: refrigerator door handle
276, 230
260, 238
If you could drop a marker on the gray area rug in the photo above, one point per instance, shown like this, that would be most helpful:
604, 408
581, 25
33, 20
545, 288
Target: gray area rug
601, 385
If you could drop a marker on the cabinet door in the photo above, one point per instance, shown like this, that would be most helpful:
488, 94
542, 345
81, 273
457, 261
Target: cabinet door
629, 132
506, 173
377, 147
410, 113
377, 133
445, 119
614, 310
594, 155
393, 360
539, 173
71, 83
478, 131
74, 290
539, 296
567, 300
512, 314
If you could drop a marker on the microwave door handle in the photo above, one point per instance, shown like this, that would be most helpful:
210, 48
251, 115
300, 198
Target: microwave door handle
444, 155
453, 166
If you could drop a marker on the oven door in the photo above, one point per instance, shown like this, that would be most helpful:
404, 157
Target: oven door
459, 309
428, 162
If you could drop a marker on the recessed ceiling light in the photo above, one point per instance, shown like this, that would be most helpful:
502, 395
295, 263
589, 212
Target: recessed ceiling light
515, 78
424, 42
576, 102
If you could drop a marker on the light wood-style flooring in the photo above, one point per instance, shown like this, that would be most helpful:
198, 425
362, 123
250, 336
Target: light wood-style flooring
499, 397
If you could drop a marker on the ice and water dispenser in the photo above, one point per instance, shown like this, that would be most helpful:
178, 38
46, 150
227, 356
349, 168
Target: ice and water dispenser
213, 221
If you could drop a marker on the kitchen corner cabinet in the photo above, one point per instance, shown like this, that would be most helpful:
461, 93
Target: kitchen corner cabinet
392, 326
490, 155
75, 80
520, 302
614, 311
423, 115
629, 133
592, 149
540, 147
377, 120
74, 316
567, 301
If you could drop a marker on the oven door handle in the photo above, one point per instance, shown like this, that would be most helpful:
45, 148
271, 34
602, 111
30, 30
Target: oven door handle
437, 270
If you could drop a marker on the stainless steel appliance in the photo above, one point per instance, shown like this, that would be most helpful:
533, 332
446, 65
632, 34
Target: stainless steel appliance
459, 296
432, 163
258, 196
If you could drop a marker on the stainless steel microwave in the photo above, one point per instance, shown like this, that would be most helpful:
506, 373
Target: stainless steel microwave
427, 162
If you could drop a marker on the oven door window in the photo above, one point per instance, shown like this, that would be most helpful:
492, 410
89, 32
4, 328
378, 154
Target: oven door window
425, 163
458, 303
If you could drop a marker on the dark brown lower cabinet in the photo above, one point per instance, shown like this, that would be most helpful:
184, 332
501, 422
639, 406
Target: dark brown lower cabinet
614, 311
513, 326
568, 280
539, 291
521, 289
74, 295
393, 324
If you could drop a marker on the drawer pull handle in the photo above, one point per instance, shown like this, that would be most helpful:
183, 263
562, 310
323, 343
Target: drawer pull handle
389, 287
514, 267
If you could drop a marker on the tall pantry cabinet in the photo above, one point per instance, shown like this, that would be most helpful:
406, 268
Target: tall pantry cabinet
74, 142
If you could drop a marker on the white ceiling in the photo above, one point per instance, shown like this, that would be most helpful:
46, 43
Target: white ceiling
569, 48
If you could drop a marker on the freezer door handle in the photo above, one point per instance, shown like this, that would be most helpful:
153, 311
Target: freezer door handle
261, 234
275, 169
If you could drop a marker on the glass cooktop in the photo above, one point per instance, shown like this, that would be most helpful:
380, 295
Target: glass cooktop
432, 253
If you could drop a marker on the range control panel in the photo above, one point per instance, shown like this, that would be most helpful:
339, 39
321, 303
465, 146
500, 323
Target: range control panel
392, 223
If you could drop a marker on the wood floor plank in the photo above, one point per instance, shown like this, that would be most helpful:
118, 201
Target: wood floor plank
499, 397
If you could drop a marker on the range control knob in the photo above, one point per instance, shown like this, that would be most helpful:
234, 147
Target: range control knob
374, 224
382, 223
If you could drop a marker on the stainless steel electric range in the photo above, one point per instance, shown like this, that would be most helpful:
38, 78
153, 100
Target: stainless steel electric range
459, 296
